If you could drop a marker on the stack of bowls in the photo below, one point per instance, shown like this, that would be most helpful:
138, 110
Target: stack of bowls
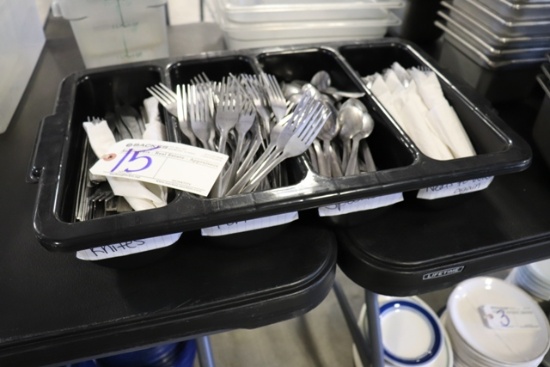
492, 323
533, 278
264, 23
412, 334
504, 42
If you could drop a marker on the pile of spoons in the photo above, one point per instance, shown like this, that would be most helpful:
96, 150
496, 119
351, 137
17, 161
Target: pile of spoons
341, 148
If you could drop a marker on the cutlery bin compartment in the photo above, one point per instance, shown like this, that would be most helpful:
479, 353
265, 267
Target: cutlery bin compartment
187, 72
97, 95
385, 142
57, 159
484, 135
217, 69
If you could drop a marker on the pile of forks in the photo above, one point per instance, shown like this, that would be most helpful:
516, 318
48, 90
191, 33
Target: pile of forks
248, 118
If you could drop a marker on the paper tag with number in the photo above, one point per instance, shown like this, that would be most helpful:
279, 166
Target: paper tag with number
498, 317
250, 224
179, 166
352, 206
455, 188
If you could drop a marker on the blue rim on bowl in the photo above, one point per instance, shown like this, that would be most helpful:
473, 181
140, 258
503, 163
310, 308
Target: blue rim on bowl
435, 346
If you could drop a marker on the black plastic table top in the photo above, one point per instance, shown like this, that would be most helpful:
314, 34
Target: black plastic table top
55, 308
415, 248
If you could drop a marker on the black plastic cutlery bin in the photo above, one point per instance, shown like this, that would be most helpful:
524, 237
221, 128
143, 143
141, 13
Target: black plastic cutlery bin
401, 166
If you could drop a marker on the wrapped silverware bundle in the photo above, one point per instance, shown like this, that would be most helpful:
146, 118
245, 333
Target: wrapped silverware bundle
99, 196
415, 99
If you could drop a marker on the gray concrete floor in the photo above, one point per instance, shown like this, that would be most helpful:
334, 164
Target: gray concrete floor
320, 338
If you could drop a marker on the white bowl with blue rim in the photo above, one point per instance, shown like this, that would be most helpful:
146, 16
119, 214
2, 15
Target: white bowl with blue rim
412, 334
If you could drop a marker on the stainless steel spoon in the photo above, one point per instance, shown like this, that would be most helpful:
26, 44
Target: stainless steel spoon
326, 135
366, 130
321, 80
350, 118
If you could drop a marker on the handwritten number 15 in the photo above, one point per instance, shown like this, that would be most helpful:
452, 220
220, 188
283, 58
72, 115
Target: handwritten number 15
134, 156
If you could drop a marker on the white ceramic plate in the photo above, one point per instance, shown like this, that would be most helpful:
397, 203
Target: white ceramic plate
410, 334
541, 269
443, 358
515, 344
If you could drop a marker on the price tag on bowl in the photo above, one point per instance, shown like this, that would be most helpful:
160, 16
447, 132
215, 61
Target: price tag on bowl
174, 165
455, 188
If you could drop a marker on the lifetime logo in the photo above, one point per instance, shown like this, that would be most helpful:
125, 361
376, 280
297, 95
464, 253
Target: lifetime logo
442, 273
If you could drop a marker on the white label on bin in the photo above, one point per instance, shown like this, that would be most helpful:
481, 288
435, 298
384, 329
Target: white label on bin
455, 188
250, 224
498, 317
352, 206
127, 247
179, 166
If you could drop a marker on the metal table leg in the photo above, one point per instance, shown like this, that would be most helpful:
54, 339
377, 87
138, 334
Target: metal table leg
206, 359
356, 334
375, 334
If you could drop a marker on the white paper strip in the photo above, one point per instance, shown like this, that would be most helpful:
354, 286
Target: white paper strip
360, 205
127, 248
250, 224
455, 188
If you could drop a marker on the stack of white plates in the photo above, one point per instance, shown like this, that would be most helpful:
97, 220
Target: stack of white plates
264, 23
411, 334
533, 278
493, 323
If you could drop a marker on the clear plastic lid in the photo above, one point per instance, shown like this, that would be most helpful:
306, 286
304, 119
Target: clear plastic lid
247, 11
312, 29
79, 9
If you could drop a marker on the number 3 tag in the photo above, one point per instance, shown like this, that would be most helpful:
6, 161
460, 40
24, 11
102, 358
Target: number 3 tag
496, 317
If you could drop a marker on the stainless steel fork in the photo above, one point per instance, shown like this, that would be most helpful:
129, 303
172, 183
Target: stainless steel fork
275, 96
202, 123
227, 111
166, 97
183, 114
305, 133
294, 139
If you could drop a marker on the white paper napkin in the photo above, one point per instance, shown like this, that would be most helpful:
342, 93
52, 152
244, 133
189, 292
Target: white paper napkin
136, 193
416, 101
